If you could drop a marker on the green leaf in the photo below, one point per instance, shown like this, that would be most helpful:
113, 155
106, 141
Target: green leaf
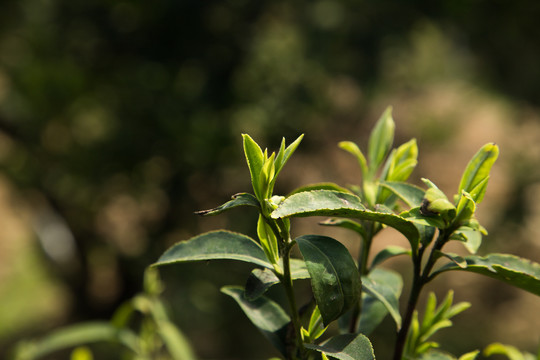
465, 208
75, 335
216, 245
353, 149
477, 171
437, 355
255, 161
346, 347
385, 286
346, 224
436, 203
260, 280
511, 352
334, 203
380, 140
470, 355
334, 276
410, 194
387, 253
510, 269
268, 240
471, 238
176, 343
242, 199
320, 186
265, 314
285, 153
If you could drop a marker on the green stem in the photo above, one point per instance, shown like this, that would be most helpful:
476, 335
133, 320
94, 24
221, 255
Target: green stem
420, 278
295, 316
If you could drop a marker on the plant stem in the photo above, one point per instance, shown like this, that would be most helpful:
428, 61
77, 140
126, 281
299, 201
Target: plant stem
288, 284
420, 278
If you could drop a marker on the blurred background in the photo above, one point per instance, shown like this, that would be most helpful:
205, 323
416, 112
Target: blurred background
119, 119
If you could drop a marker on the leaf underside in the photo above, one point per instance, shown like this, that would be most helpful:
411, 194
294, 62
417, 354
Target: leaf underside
510, 269
346, 347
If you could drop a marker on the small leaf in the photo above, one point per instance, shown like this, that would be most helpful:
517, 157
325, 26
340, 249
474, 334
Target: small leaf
511, 352
255, 161
380, 140
510, 269
387, 253
470, 355
334, 276
412, 195
346, 347
478, 170
334, 203
465, 208
242, 199
216, 245
284, 156
471, 238
353, 149
265, 314
381, 285
346, 224
260, 280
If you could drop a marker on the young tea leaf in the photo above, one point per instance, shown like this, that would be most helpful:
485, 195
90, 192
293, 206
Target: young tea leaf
410, 194
334, 276
255, 161
353, 149
478, 170
385, 286
380, 140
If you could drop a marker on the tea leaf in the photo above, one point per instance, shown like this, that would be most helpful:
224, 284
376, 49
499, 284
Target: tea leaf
255, 161
510, 269
265, 314
477, 171
385, 286
241, 199
380, 140
216, 245
260, 280
334, 203
334, 276
387, 253
353, 149
346, 224
346, 347
412, 195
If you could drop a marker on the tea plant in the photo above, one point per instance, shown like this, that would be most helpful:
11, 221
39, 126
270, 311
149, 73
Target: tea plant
353, 291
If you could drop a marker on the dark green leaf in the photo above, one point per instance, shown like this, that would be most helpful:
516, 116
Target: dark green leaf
334, 203
410, 194
347, 224
334, 276
510, 269
242, 199
346, 347
387, 253
260, 280
385, 286
265, 314
216, 245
